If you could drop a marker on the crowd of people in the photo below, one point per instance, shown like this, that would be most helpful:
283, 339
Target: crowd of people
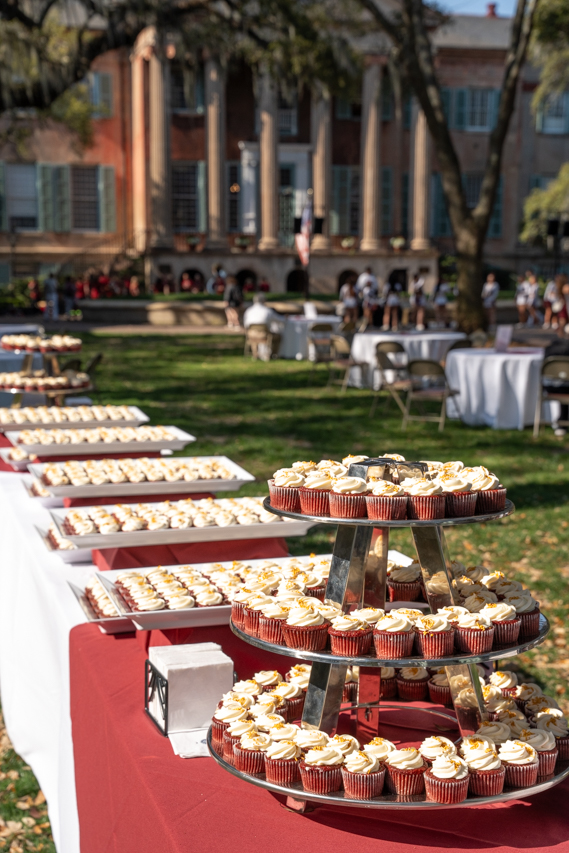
555, 303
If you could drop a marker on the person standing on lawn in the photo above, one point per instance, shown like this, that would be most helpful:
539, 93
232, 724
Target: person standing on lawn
234, 300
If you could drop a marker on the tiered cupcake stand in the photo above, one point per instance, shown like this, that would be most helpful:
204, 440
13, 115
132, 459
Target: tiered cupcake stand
358, 575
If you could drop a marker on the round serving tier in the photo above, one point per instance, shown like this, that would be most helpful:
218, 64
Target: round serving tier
370, 661
387, 800
406, 522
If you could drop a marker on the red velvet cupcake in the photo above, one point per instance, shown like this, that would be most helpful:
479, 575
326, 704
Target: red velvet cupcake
386, 501
405, 772
412, 683
271, 621
363, 776
321, 770
546, 747
388, 687
474, 634
434, 636
283, 490
393, 636
348, 498
350, 637
446, 781
439, 690
282, 763
233, 735
404, 583
224, 717
425, 499
249, 753
491, 500
315, 494
305, 629
505, 621
521, 763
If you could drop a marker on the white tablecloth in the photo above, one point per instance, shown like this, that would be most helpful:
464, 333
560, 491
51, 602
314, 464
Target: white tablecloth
496, 389
19, 329
37, 611
10, 362
431, 345
294, 341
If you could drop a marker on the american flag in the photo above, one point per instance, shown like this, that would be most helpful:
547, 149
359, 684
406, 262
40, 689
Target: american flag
302, 240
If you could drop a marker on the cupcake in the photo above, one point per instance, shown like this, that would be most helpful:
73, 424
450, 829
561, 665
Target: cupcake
434, 636
314, 493
521, 763
283, 489
460, 500
438, 591
268, 721
439, 689
371, 615
299, 674
309, 738
305, 629
412, 683
487, 772
350, 691
346, 744
233, 735
545, 745
252, 612
446, 781
403, 583
558, 727
224, 717
271, 622
435, 746
506, 680
380, 748
393, 636
495, 702
425, 499
491, 494
347, 498
514, 719
405, 771
238, 604
386, 501
525, 692
527, 609
505, 620
293, 697
281, 762
350, 637
388, 685
452, 613
474, 634
363, 776
496, 732
320, 770
249, 753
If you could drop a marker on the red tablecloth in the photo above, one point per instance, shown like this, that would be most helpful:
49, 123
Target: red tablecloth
135, 499
191, 552
135, 796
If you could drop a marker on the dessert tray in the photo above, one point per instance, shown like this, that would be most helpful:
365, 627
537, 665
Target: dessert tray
172, 439
358, 579
37, 343
65, 417
218, 474
69, 553
111, 624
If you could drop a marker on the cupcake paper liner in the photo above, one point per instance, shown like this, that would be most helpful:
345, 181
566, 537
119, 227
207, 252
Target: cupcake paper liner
271, 630
347, 506
491, 500
350, 643
530, 624
320, 780
447, 791
282, 771
350, 691
318, 592
426, 507
460, 504
547, 759
487, 783
294, 708
473, 641
363, 786
386, 508
217, 730
251, 622
506, 632
438, 694
405, 782
284, 497
403, 591
392, 645
228, 743
435, 644
510, 692
412, 691
307, 638
237, 613
251, 761
563, 747
314, 501
388, 688
521, 775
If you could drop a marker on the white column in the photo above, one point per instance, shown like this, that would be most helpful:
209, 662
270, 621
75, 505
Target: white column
215, 134
248, 194
139, 200
268, 159
159, 166
370, 159
322, 163
421, 182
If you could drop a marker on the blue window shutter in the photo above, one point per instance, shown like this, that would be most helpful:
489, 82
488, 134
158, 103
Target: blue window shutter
407, 113
3, 206
386, 99
202, 197
61, 199
446, 95
105, 95
107, 199
441, 222
566, 111
460, 108
4, 273
495, 226
339, 215
343, 108
386, 200
44, 180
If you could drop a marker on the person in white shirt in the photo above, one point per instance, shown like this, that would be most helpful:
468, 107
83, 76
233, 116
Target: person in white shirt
258, 312
522, 298
366, 279
532, 301
490, 291
417, 301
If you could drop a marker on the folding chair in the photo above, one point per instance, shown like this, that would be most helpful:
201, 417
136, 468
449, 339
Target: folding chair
428, 383
392, 379
342, 360
555, 371
259, 335
319, 344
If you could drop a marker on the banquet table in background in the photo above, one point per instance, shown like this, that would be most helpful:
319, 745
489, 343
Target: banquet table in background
294, 341
497, 389
430, 345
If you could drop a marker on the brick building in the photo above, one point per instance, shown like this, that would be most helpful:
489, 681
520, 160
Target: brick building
195, 166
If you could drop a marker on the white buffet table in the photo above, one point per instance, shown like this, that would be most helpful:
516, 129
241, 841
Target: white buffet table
430, 345
496, 389
294, 341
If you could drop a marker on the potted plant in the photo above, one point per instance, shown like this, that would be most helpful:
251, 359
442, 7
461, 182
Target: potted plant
397, 243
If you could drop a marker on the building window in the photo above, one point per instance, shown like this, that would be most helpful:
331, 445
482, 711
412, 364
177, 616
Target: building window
21, 197
288, 114
386, 201
233, 197
287, 185
188, 196
553, 116
470, 109
101, 94
348, 109
186, 89
539, 182
85, 198
345, 213
480, 109
472, 184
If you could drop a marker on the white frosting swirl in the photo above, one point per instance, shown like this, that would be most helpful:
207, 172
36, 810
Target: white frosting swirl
387, 672
556, 725
449, 767
433, 747
407, 758
517, 752
414, 673
283, 731
318, 480
432, 624
349, 623
452, 612
503, 679
522, 601
540, 739
368, 614
259, 742
304, 617
422, 486
474, 621
345, 744
380, 748
323, 756
362, 762
393, 622
383, 488
482, 479
308, 738
404, 574
453, 483
288, 479
497, 732
349, 486
284, 750
526, 691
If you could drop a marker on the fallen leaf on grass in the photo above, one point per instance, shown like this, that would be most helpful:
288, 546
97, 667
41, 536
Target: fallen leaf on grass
35, 812
39, 799
28, 821
13, 774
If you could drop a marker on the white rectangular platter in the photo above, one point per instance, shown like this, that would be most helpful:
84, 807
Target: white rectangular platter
124, 539
138, 418
102, 448
21, 465
119, 625
73, 555
146, 489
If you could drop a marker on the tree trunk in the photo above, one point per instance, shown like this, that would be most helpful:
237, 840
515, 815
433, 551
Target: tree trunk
470, 312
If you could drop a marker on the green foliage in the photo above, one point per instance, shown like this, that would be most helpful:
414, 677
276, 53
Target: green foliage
544, 204
550, 48
74, 109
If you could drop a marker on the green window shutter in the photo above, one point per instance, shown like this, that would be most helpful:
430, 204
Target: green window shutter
566, 111
61, 199
446, 96
4, 273
407, 113
440, 220
386, 200
3, 207
495, 226
460, 107
105, 95
107, 201
343, 108
405, 204
539, 119
339, 215
386, 99
45, 196
202, 197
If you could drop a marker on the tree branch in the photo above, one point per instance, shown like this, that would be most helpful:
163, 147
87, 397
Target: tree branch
384, 22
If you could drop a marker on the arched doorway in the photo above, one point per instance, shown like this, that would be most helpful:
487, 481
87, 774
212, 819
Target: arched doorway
247, 280
296, 280
192, 281
344, 276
